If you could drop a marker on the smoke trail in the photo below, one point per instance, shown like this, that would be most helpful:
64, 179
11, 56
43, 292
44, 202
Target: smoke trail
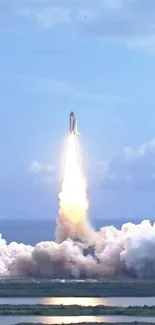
72, 220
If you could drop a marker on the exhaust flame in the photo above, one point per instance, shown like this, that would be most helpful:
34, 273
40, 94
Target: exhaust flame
72, 218
73, 198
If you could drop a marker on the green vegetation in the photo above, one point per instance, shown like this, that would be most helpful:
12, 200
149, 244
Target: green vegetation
107, 288
59, 310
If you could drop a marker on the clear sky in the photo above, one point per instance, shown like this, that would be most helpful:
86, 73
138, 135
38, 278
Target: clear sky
97, 58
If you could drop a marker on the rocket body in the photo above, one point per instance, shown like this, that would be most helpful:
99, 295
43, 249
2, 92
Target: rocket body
73, 124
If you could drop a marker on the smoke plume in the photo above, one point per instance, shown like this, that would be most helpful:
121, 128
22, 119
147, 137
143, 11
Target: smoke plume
72, 219
130, 250
79, 251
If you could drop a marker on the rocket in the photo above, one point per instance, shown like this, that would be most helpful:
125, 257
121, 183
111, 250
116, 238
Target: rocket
73, 124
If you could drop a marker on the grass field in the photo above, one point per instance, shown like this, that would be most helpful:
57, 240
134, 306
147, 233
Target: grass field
48, 310
107, 288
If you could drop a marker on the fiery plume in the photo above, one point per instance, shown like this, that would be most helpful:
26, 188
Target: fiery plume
73, 196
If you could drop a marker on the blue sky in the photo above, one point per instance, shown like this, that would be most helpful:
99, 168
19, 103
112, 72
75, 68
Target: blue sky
98, 59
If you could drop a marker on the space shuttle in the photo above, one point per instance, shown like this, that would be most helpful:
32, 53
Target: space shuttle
73, 124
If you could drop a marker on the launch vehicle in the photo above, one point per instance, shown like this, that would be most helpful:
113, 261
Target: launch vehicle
73, 124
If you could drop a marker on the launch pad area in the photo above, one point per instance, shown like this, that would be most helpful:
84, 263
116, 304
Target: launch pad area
69, 288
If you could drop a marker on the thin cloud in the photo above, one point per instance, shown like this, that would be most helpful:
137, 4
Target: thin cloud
133, 169
129, 21
144, 149
37, 167
44, 173
67, 89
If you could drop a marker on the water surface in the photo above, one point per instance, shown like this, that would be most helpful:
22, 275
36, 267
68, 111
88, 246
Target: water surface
91, 301
11, 320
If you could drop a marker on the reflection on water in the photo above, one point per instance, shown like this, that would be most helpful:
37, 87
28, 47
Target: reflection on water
10, 320
83, 301
92, 301
116, 301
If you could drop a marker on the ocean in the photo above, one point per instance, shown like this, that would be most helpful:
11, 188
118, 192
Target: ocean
31, 232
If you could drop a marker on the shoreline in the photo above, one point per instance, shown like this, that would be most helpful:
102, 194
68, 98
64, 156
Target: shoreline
50, 288
75, 310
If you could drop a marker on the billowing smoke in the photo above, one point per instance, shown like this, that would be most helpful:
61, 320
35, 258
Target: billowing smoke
79, 251
130, 250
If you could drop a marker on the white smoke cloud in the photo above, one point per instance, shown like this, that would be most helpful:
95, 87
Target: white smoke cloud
79, 250
130, 250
